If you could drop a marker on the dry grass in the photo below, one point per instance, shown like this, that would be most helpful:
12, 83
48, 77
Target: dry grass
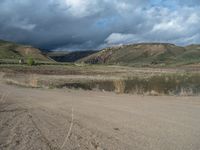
33, 81
150, 81
119, 86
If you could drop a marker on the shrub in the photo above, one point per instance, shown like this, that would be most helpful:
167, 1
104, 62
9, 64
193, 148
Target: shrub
31, 61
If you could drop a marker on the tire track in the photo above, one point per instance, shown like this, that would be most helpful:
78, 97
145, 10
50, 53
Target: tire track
70, 129
43, 137
4, 97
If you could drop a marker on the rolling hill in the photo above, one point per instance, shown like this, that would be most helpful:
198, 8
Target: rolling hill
10, 50
142, 54
146, 54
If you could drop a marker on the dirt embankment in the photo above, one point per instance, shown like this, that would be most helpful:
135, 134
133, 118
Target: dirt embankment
164, 84
142, 81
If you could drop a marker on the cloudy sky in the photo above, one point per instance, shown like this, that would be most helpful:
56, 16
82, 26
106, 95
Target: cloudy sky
93, 24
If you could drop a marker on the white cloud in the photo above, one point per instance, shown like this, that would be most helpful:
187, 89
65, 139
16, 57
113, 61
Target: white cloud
81, 8
120, 38
194, 19
172, 25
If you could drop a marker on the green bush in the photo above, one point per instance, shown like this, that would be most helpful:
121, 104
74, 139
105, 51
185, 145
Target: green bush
31, 61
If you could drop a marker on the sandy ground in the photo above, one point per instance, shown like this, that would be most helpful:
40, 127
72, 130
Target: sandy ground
42, 119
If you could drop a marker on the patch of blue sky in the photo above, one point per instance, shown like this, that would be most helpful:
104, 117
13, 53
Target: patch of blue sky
170, 4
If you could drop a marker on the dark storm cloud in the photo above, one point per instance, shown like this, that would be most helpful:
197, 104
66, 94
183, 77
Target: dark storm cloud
88, 24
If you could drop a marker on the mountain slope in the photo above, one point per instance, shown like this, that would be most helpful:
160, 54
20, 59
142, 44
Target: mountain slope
9, 50
63, 56
193, 52
145, 54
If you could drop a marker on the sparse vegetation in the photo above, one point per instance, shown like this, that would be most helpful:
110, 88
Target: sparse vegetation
166, 84
31, 61
144, 82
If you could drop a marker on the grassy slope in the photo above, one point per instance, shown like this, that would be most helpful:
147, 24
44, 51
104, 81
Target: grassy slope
146, 54
9, 50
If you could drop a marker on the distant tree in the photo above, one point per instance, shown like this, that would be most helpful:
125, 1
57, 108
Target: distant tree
31, 61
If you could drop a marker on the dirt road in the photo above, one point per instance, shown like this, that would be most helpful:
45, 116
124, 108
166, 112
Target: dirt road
33, 119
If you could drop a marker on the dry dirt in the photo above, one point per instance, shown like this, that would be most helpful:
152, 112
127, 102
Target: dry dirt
42, 119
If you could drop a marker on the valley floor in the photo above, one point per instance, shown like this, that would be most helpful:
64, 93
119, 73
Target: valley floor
74, 119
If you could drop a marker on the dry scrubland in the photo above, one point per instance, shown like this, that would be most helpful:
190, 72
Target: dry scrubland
143, 81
